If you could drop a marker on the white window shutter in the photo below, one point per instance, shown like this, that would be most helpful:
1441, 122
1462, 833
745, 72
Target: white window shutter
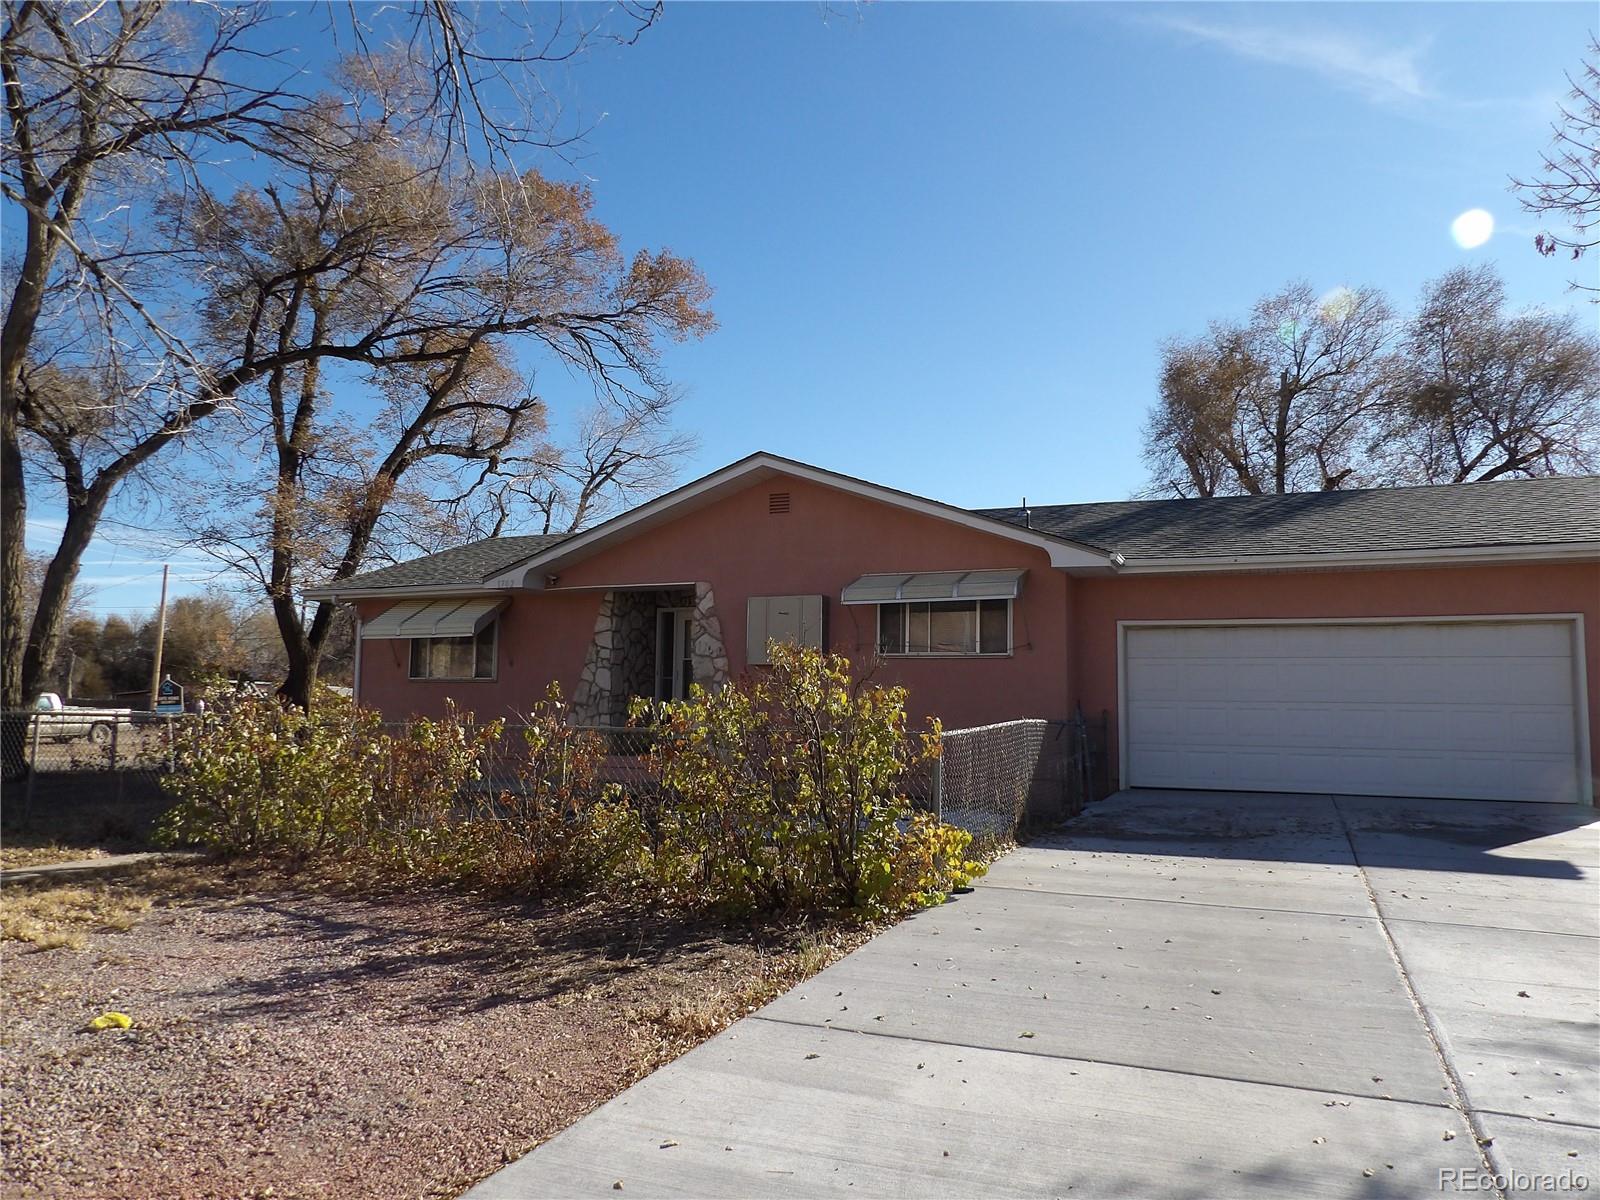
795, 619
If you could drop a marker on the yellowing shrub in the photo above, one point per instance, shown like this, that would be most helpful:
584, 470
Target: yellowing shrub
787, 793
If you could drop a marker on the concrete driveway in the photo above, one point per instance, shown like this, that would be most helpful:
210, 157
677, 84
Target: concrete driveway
1183, 994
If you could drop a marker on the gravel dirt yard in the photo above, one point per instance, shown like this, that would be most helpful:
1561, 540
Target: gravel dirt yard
290, 1039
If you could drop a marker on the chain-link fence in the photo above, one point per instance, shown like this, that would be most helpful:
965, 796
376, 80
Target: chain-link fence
626, 760
88, 740
982, 779
992, 780
996, 780
86, 771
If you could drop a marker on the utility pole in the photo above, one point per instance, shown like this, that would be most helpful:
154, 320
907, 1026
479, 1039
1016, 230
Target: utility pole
161, 637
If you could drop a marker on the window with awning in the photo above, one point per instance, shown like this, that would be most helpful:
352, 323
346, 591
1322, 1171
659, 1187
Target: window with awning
433, 619
941, 613
888, 588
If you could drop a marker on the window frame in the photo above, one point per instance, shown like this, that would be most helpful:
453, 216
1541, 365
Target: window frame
977, 618
492, 629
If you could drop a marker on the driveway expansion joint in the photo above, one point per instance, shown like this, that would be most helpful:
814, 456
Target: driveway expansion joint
1260, 908
1021, 1052
1559, 933
1458, 1095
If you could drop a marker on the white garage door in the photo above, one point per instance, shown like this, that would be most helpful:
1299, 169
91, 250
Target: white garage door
1476, 709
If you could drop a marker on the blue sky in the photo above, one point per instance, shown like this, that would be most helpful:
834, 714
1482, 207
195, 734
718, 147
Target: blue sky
947, 239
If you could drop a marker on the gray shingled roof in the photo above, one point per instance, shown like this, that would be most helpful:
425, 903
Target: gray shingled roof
470, 564
1500, 513
1503, 513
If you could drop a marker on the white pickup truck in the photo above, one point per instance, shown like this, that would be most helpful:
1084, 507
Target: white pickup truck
62, 723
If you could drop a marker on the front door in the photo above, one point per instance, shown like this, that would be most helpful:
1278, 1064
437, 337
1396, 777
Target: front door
674, 661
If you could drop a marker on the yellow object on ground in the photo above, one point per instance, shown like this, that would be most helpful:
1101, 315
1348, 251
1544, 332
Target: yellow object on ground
111, 1020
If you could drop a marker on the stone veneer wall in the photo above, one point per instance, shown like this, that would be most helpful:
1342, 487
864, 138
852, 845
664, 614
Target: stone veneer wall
708, 652
621, 659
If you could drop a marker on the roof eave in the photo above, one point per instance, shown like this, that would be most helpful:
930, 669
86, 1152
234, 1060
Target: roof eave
1337, 560
339, 593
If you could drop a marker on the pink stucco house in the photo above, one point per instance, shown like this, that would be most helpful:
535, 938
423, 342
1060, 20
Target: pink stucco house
1430, 641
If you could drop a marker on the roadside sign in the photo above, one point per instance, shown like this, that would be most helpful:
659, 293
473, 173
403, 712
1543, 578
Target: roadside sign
169, 696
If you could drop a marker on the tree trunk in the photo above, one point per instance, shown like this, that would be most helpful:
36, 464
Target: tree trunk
13, 528
44, 637
1280, 435
303, 646
13, 525
22, 315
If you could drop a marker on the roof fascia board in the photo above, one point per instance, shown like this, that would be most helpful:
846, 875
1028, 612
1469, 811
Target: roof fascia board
1453, 556
1063, 553
440, 591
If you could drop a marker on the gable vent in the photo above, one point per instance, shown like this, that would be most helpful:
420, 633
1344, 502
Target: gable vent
777, 502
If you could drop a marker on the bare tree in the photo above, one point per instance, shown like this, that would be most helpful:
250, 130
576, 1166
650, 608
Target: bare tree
618, 457
433, 279
1476, 392
107, 105
1567, 187
94, 99
1284, 402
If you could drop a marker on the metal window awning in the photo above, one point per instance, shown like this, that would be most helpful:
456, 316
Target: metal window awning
433, 618
935, 585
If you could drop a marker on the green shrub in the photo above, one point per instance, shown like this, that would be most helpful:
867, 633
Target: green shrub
256, 777
782, 793
787, 795
418, 794
561, 826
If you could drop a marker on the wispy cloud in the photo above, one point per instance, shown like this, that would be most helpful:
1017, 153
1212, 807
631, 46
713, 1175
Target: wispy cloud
40, 531
146, 577
1382, 73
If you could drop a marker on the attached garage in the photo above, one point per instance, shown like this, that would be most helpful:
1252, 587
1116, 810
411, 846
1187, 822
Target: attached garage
1474, 709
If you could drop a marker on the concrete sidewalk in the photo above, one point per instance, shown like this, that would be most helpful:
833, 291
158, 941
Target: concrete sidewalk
1183, 995
96, 866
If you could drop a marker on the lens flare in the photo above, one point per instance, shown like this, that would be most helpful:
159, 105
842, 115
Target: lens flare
1472, 228
1336, 304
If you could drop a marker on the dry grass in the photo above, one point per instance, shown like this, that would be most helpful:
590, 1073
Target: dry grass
664, 1030
62, 917
55, 914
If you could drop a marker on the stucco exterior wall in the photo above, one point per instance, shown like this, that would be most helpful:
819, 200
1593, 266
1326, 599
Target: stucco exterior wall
1099, 603
827, 540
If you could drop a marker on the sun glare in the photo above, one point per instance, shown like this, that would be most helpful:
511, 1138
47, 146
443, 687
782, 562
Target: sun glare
1336, 304
1472, 228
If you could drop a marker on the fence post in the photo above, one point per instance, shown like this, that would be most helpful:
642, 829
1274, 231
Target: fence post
1105, 755
116, 736
938, 787
33, 763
